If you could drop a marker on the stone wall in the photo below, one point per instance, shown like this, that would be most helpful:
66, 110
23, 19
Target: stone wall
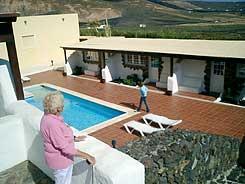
178, 156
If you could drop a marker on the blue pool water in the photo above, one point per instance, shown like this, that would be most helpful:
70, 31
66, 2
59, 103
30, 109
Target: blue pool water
78, 112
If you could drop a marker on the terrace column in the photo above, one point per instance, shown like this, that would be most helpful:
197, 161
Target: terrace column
65, 56
171, 85
7, 35
101, 65
171, 66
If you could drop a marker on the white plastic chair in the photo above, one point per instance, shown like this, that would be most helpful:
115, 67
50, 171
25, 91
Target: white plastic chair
140, 127
160, 120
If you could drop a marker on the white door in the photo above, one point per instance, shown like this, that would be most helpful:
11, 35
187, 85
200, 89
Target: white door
217, 76
153, 69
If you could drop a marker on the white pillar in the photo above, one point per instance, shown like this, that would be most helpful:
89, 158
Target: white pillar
172, 84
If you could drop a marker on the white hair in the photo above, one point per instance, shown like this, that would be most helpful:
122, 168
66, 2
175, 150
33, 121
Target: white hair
53, 103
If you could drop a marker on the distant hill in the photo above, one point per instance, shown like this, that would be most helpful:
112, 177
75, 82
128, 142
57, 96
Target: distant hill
131, 13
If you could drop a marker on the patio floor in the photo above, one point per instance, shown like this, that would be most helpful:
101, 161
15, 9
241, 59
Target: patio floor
197, 115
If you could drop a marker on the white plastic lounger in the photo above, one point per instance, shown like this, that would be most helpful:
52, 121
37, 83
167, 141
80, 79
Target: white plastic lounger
160, 120
140, 127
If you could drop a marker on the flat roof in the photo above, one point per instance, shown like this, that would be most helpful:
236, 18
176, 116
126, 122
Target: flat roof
202, 48
8, 17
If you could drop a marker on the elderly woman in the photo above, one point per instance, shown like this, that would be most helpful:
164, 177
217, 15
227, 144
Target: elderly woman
58, 140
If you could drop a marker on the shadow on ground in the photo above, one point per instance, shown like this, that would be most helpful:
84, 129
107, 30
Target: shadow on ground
129, 105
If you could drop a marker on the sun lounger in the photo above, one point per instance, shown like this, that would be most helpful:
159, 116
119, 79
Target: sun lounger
140, 127
160, 120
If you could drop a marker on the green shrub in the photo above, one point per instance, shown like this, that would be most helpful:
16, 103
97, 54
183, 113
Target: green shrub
78, 70
119, 80
134, 78
129, 82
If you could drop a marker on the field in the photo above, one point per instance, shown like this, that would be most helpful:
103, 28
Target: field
176, 19
207, 32
162, 18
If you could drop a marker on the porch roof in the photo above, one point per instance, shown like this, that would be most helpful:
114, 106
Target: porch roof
199, 48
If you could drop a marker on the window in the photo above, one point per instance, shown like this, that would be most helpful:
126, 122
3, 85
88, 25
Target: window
144, 60
219, 68
134, 59
130, 59
91, 56
28, 41
155, 62
240, 71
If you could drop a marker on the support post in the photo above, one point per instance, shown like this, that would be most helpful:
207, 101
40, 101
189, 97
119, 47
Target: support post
13, 60
171, 74
171, 66
65, 56
83, 53
101, 65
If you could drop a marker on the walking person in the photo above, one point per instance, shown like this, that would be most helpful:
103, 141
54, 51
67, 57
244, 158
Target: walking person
143, 95
58, 140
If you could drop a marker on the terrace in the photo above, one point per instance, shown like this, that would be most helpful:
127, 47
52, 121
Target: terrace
197, 114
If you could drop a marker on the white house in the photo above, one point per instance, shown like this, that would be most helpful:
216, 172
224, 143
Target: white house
199, 65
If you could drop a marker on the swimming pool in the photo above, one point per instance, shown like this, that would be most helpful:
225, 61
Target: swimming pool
80, 113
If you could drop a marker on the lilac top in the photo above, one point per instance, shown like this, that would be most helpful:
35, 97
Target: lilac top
58, 142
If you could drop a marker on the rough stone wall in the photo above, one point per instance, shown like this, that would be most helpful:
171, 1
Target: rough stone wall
178, 156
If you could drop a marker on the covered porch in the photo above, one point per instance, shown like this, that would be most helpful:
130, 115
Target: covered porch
195, 64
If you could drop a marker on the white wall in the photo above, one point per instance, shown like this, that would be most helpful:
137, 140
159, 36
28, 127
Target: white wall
112, 62
7, 93
189, 73
12, 142
165, 72
91, 67
31, 117
192, 72
39, 38
74, 59
123, 72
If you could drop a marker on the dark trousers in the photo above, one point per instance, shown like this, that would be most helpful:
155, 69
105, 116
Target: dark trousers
143, 99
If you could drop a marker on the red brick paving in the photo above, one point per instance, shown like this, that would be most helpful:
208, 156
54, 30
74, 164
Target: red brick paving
196, 115
195, 95
89, 77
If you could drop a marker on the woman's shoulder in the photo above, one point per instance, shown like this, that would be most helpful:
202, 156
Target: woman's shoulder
50, 120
